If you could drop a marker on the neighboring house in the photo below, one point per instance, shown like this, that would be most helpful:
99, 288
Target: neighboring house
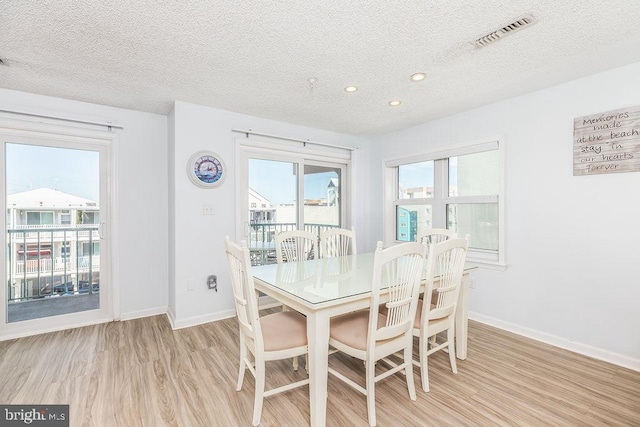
260, 209
53, 244
416, 192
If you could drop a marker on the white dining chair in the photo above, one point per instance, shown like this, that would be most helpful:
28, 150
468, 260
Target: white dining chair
370, 336
296, 245
292, 246
445, 266
275, 336
337, 242
435, 235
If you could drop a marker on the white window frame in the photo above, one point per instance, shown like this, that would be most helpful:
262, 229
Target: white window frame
297, 152
50, 133
441, 199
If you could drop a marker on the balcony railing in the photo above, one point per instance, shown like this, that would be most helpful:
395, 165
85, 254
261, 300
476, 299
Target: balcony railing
52, 226
57, 265
262, 235
49, 260
54, 233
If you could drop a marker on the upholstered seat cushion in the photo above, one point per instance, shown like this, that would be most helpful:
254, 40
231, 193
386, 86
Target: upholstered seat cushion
418, 320
283, 330
351, 329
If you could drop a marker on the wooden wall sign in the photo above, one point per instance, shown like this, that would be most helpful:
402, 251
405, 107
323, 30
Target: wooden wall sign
607, 142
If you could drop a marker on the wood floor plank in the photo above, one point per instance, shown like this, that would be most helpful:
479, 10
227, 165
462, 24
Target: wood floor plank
143, 373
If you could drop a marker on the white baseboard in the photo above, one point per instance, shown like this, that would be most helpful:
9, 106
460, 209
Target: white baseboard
27, 332
198, 320
264, 302
586, 350
144, 313
171, 317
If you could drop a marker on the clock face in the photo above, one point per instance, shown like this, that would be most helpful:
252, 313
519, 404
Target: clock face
206, 169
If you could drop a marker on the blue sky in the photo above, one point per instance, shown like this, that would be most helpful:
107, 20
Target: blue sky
421, 174
71, 171
277, 181
77, 172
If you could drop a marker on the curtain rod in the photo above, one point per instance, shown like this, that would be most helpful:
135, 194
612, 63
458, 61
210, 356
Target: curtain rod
304, 141
44, 116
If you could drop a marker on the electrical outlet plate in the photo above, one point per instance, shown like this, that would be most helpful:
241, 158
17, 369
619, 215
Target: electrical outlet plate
212, 282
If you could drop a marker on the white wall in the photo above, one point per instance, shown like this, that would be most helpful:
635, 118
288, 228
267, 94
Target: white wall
142, 194
572, 243
197, 240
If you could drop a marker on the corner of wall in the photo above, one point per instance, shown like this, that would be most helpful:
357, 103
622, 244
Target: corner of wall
171, 147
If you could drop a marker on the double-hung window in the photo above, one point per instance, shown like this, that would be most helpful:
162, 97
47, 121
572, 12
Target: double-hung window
460, 189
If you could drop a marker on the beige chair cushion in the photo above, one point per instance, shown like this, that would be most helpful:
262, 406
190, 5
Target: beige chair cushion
351, 329
283, 330
418, 320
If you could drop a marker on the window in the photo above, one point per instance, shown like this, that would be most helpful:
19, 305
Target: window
301, 186
65, 250
459, 189
65, 218
87, 217
90, 248
39, 218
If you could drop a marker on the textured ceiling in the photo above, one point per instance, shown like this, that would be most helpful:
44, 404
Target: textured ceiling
256, 57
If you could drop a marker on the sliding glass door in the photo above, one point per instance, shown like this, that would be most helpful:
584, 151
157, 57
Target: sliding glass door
322, 196
272, 205
282, 192
55, 228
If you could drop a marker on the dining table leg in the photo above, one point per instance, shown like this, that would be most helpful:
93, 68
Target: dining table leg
462, 318
318, 338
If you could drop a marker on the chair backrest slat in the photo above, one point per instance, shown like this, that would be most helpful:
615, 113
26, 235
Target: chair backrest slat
296, 245
244, 292
337, 242
398, 268
435, 235
446, 266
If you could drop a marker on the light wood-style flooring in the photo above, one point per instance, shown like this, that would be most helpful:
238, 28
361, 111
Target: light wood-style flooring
142, 373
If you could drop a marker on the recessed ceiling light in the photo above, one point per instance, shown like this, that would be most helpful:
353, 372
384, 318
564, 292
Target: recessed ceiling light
350, 89
394, 103
418, 76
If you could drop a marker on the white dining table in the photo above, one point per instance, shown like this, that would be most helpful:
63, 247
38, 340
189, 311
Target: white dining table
323, 288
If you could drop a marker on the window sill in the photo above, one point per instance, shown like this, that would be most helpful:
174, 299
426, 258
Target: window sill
489, 265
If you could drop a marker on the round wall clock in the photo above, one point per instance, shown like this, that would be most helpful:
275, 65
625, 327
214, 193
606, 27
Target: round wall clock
206, 169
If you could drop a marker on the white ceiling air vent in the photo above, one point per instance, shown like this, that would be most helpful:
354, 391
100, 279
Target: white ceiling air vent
510, 28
